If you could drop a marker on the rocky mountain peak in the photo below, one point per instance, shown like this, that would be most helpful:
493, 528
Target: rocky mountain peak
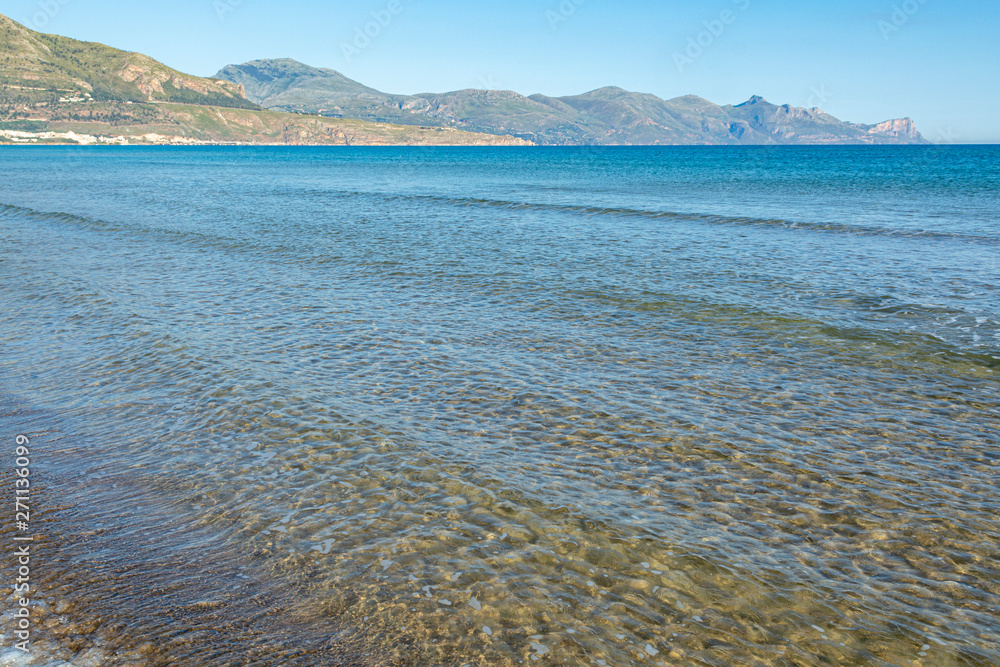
755, 99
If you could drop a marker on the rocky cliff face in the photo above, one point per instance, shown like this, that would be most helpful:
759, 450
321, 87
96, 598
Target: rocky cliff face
150, 77
902, 128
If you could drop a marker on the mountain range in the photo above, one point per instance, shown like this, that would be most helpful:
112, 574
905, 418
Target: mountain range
56, 90
607, 116
59, 90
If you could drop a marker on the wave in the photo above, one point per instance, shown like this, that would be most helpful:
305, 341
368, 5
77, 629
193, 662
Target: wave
670, 216
844, 321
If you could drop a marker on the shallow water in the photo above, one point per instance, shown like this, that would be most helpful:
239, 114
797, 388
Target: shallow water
568, 406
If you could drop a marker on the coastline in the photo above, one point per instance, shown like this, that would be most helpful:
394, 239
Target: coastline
189, 124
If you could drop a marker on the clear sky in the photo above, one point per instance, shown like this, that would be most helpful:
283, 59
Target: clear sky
937, 61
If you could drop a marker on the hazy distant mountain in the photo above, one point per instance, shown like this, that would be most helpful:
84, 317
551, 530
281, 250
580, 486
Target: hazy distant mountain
610, 116
288, 85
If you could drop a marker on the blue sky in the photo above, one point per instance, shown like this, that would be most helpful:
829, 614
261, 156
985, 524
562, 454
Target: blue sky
861, 60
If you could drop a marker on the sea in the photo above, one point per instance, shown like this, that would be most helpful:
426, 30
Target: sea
469, 407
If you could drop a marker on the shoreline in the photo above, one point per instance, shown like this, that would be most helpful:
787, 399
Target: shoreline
122, 140
20, 138
490, 425
146, 587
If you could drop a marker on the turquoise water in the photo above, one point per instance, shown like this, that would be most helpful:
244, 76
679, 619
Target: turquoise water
490, 406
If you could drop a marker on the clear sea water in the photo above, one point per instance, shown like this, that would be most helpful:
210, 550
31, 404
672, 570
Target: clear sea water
671, 406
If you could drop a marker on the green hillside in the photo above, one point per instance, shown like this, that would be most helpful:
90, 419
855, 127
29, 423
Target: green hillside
45, 69
60, 90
